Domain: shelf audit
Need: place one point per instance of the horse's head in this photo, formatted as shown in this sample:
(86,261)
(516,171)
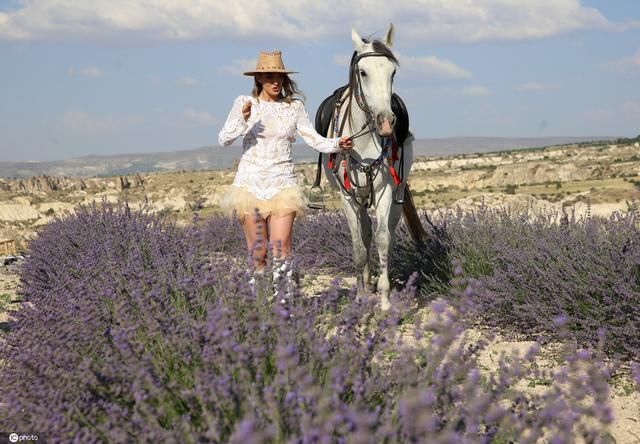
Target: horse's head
(373,67)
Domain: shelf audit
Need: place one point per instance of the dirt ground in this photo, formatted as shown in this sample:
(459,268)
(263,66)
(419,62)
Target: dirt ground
(624,400)
(9,289)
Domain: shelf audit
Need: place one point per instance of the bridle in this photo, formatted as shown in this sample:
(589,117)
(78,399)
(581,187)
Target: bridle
(360,97)
(361,100)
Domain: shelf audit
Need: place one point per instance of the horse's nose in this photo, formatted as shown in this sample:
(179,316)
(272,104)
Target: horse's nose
(382,116)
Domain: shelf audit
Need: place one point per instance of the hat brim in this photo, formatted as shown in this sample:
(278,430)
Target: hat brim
(253,73)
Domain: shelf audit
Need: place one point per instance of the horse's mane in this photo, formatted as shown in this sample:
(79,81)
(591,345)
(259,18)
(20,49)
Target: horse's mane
(378,46)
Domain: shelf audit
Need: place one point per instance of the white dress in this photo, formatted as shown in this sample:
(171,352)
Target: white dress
(265,178)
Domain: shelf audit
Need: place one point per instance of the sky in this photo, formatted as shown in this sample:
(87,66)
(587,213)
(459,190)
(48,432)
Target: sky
(84,77)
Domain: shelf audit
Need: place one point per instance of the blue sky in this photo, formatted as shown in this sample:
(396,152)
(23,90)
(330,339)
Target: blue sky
(94,77)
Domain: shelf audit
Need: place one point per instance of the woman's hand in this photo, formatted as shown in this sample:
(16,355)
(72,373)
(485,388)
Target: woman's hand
(246,110)
(345,143)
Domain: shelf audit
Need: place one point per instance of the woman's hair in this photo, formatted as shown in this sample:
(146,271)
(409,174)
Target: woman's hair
(288,92)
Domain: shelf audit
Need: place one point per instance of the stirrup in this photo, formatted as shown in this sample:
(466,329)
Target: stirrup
(315,200)
(399,197)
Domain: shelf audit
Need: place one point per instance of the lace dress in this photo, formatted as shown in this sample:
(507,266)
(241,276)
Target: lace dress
(265,178)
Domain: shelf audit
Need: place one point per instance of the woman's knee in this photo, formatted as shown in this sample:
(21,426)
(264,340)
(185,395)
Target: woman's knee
(281,246)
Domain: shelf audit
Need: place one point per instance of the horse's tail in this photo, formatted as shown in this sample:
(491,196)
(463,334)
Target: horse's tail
(414,225)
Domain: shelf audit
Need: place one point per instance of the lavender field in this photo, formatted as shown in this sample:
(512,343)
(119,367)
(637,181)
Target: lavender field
(135,329)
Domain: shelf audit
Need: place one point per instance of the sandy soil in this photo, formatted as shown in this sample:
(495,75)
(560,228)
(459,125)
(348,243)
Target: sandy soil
(624,401)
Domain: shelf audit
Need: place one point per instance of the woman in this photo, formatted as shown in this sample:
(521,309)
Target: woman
(269,120)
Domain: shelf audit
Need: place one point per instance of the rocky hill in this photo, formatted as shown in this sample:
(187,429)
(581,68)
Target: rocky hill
(216,157)
(596,179)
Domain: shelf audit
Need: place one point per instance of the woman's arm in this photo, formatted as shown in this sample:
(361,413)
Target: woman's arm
(311,136)
(235,125)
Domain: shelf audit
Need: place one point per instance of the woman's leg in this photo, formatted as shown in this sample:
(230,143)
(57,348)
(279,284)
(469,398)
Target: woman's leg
(255,233)
(280,227)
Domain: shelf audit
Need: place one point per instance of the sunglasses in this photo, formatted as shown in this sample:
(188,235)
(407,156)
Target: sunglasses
(272,77)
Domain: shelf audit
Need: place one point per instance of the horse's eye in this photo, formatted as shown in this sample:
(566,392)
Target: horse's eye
(363,74)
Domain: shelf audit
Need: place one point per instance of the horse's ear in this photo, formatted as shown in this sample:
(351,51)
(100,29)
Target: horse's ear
(357,40)
(388,40)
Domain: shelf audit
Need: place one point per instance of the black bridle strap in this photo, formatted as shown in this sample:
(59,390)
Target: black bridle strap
(362,131)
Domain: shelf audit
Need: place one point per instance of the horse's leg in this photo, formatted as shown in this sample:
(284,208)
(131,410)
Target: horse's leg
(366,235)
(388,215)
(360,227)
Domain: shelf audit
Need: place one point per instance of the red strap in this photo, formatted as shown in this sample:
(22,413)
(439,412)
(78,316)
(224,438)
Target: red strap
(347,185)
(332,157)
(394,174)
(393,158)
(394,149)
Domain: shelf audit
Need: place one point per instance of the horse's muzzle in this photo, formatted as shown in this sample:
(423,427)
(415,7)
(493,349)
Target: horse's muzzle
(385,123)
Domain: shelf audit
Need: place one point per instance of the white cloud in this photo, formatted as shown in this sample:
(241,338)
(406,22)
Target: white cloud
(201,118)
(627,65)
(431,66)
(416,20)
(80,121)
(90,71)
(476,91)
(238,66)
(422,66)
(532,87)
(189,82)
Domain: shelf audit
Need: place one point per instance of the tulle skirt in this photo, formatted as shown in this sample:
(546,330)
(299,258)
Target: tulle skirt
(240,201)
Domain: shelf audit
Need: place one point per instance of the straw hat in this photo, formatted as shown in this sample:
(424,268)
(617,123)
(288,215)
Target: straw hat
(269,62)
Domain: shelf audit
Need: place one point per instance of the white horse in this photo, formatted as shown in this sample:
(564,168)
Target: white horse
(366,113)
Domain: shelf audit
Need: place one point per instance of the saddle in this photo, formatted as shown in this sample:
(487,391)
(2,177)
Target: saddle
(327,107)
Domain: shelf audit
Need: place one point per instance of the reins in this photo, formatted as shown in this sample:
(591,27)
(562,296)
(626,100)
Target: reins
(362,131)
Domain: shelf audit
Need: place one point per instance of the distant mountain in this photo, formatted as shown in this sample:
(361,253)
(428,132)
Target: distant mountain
(215,157)
(463,145)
